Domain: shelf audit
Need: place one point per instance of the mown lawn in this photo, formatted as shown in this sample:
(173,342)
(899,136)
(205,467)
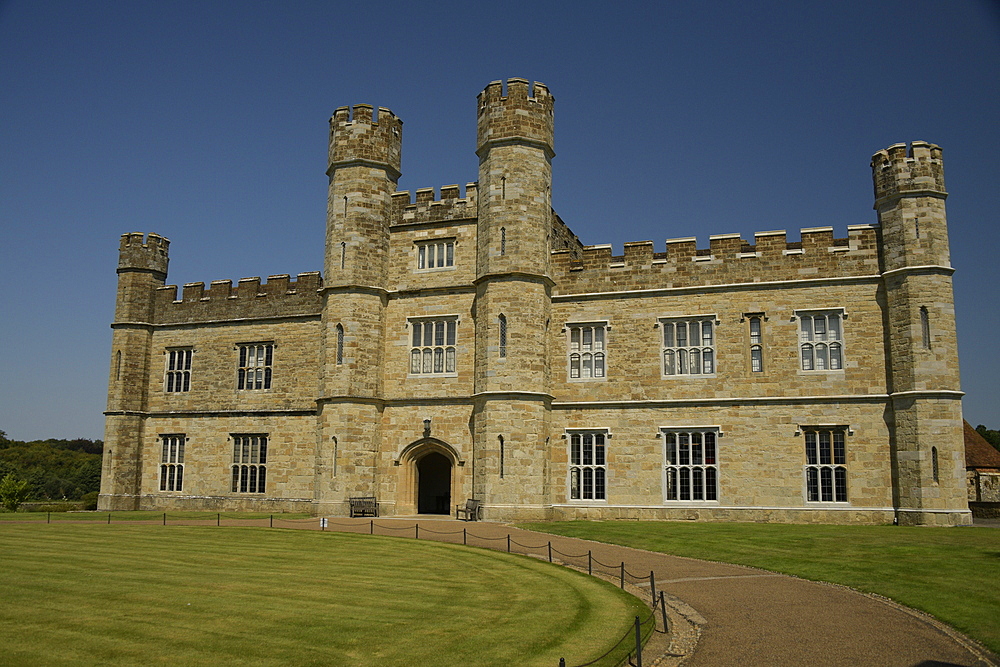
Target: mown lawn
(951,573)
(148,516)
(201,595)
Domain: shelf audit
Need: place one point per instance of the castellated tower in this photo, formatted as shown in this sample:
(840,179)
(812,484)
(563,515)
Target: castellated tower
(142,267)
(364,160)
(928,450)
(513,296)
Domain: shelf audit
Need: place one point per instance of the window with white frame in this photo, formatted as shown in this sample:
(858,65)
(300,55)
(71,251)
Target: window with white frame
(432,348)
(178,373)
(172,462)
(438,254)
(821,341)
(826,464)
(689,345)
(691,470)
(249,463)
(254,371)
(587,465)
(587,350)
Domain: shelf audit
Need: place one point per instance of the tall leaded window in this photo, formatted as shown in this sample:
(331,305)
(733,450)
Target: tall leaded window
(254,371)
(172,463)
(340,344)
(502,343)
(249,463)
(756,346)
(826,464)
(587,465)
(821,341)
(587,350)
(689,346)
(432,348)
(436,254)
(691,471)
(178,374)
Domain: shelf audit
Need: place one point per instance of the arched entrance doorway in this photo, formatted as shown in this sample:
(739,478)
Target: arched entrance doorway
(434,484)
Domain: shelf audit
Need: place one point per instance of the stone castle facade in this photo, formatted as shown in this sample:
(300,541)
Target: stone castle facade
(469,346)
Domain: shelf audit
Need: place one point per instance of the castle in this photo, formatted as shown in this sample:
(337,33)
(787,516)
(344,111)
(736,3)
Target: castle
(467,345)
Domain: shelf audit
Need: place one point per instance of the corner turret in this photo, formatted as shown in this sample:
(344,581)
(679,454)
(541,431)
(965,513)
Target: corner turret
(359,138)
(149,256)
(926,424)
(522,116)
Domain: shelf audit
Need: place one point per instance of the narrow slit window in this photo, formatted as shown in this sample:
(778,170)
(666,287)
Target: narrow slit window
(503,336)
(925,327)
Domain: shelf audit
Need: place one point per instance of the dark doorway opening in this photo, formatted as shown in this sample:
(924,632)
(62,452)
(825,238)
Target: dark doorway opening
(434,484)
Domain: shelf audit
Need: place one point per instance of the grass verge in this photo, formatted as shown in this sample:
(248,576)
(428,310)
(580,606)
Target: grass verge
(950,573)
(193,595)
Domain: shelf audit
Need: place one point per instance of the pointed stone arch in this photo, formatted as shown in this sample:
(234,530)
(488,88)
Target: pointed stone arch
(430,477)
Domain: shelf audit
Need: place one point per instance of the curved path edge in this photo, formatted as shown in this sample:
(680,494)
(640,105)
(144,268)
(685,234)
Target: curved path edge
(724,614)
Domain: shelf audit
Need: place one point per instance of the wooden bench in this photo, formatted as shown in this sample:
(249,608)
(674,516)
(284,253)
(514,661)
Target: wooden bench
(363,506)
(473,510)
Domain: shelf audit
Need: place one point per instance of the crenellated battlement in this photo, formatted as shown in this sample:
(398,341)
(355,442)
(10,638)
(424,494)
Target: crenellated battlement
(899,170)
(728,259)
(138,254)
(425,208)
(250,298)
(523,114)
(357,136)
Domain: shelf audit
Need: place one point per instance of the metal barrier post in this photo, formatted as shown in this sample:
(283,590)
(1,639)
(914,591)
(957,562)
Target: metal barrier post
(623,575)
(663,612)
(562,662)
(48,518)
(550,551)
(638,643)
(416,531)
(371,527)
(508,542)
(271,524)
(590,563)
(109,518)
(218,519)
(652,586)
(464,538)
(164,518)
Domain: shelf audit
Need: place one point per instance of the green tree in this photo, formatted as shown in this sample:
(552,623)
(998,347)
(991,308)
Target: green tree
(13,492)
(989,435)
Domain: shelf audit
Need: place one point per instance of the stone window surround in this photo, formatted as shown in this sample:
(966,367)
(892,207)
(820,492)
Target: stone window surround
(662,322)
(177,372)
(598,466)
(448,348)
(709,487)
(837,343)
(262,369)
(249,465)
(443,251)
(824,476)
(598,351)
(172,461)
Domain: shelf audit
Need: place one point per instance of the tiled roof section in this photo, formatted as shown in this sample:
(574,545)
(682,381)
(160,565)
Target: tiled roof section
(978,452)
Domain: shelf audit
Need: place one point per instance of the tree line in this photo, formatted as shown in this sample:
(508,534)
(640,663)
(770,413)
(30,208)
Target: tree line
(990,435)
(52,469)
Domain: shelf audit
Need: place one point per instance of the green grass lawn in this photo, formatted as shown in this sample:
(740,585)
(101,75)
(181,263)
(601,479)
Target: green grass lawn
(951,573)
(200,595)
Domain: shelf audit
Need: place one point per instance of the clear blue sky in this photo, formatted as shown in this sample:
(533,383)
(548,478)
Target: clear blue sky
(206,122)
